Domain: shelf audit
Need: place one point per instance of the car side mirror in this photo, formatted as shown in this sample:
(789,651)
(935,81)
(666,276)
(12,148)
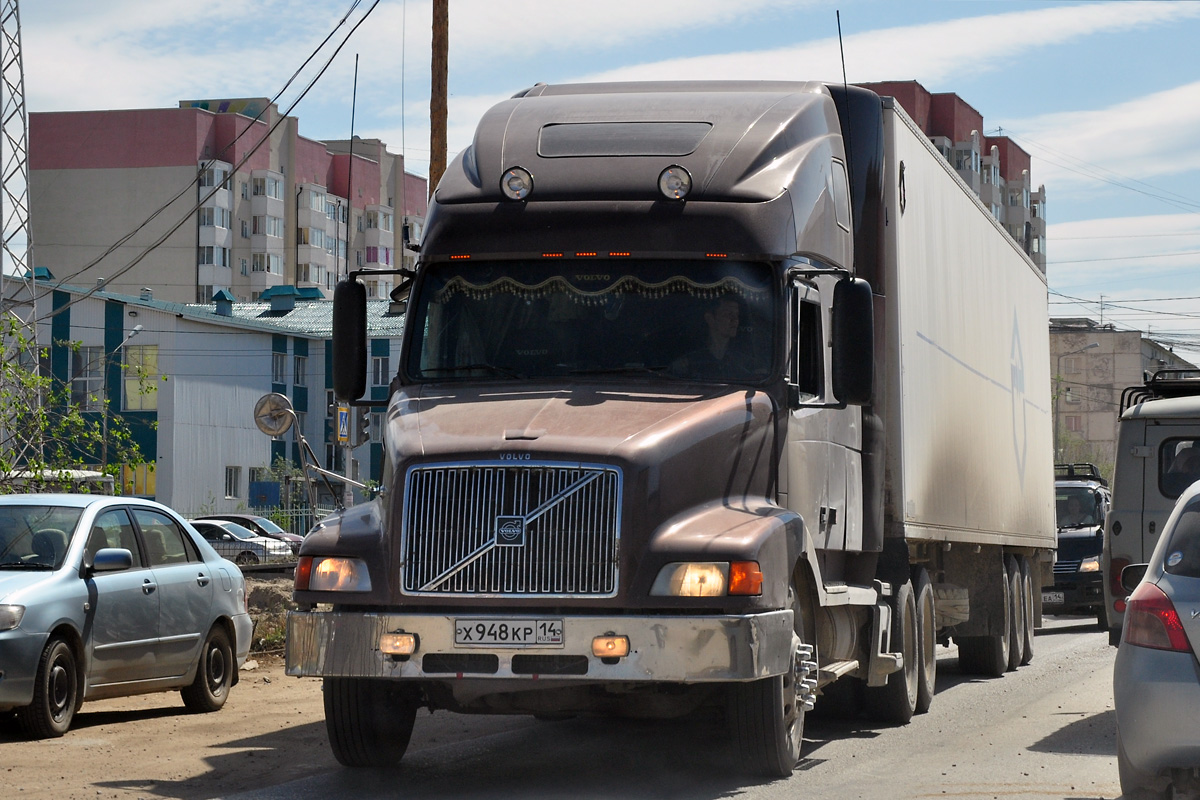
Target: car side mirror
(1132,575)
(111,559)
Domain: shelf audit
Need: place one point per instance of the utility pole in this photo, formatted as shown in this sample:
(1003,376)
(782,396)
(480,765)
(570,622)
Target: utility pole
(438,92)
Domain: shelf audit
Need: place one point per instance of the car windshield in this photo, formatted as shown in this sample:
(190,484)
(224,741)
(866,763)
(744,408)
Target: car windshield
(238,531)
(36,536)
(267,525)
(706,320)
(1075,506)
(1183,550)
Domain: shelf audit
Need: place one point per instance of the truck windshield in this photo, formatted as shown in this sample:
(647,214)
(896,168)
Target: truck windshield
(704,320)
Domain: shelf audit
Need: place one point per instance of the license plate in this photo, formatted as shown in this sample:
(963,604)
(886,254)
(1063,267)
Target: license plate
(1053,598)
(508,632)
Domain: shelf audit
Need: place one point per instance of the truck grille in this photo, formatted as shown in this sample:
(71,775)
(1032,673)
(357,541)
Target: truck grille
(534,529)
(1066,567)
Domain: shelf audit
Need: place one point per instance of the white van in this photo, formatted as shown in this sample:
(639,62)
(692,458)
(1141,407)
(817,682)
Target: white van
(1158,456)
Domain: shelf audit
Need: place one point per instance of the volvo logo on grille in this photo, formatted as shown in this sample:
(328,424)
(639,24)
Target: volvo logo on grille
(510,531)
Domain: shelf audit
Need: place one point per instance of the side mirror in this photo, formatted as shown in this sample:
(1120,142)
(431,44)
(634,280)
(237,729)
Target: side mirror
(853,342)
(1132,575)
(111,559)
(349,340)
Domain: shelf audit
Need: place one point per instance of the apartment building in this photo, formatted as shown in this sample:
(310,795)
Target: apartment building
(215,195)
(1092,364)
(995,167)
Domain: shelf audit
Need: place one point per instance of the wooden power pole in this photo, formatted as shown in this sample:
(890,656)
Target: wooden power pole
(437,97)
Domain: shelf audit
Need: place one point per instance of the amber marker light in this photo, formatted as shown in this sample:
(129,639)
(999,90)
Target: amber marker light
(745,578)
(398,644)
(619,254)
(609,646)
(584,255)
(460,257)
(303,573)
(716,255)
(552,255)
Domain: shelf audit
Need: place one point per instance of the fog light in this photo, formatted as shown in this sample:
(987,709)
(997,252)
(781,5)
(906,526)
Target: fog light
(610,646)
(398,644)
(516,183)
(675,183)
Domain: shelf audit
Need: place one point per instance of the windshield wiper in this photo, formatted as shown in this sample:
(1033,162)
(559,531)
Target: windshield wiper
(25,565)
(492,368)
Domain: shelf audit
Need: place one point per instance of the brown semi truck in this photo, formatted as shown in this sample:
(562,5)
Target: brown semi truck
(721,393)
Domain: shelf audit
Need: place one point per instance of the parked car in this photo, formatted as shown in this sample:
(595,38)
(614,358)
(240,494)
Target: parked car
(1082,500)
(111,596)
(242,545)
(1156,686)
(260,525)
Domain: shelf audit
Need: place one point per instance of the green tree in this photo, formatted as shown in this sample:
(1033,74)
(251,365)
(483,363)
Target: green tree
(46,438)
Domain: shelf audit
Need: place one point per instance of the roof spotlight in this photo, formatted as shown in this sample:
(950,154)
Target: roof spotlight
(675,182)
(516,183)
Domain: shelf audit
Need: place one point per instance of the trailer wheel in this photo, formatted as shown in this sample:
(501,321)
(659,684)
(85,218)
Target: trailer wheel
(896,700)
(767,715)
(1016,614)
(926,639)
(369,722)
(1027,587)
(988,654)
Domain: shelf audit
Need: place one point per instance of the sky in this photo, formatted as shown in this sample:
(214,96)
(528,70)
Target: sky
(1105,96)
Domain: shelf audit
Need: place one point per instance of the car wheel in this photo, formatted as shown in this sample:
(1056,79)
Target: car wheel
(55,693)
(1136,784)
(246,559)
(369,722)
(214,674)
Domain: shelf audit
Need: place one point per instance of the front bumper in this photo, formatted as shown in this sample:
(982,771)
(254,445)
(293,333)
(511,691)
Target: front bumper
(1082,592)
(692,649)
(19,655)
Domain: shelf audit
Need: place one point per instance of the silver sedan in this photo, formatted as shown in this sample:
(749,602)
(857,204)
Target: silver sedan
(111,596)
(1156,680)
(242,545)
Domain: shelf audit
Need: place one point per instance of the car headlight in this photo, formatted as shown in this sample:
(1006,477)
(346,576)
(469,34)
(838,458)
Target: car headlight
(1090,564)
(332,574)
(10,617)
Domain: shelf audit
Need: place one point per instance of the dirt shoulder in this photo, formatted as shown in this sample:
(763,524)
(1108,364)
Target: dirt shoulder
(271,730)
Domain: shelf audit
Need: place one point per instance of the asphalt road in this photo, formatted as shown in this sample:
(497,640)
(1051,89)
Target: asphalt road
(1045,731)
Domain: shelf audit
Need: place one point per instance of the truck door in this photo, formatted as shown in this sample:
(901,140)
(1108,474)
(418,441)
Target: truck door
(1172,464)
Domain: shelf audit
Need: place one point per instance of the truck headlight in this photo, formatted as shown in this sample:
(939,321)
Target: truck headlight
(692,579)
(1090,564)
(10,617)
(332,574)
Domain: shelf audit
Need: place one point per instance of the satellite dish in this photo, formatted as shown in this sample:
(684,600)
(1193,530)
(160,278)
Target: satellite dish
(273,414)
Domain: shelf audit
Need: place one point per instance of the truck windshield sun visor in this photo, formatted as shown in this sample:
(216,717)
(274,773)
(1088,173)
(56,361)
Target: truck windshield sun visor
(694,320)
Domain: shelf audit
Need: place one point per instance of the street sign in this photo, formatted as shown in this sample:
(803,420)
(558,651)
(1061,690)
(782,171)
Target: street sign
(343,424)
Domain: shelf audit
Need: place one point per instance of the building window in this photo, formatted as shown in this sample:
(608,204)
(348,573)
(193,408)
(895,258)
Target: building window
(299,370)
(206,217)
(1073,423)
(278,367)
(138,480)
(141,377)
(316,200)
(372,220)
(372,255)
(87,385)
(245,229)
(266,262)
(213,176)
(259,474)
(268,187)
(233,483)
(204,294)
(244,267)
(376,433)
(245,191)
(1070,395)
(358,259)
(380,373)
(267,225)
(1072,365)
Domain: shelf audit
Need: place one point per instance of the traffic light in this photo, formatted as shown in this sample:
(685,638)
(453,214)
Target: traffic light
(363,428)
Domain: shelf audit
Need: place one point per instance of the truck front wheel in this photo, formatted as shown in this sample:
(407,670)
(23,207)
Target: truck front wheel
(369,722)
(768,715)
(896,700)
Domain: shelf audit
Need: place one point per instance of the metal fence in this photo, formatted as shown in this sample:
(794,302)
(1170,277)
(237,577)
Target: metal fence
(297,519)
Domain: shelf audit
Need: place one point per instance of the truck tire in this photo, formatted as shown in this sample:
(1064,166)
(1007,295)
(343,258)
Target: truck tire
(926,639)
(896,700)
(988,654)
(767,715)
(1016,614)
(369,722)
(1030,623)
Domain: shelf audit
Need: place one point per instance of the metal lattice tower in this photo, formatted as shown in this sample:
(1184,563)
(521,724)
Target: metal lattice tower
(16,274)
